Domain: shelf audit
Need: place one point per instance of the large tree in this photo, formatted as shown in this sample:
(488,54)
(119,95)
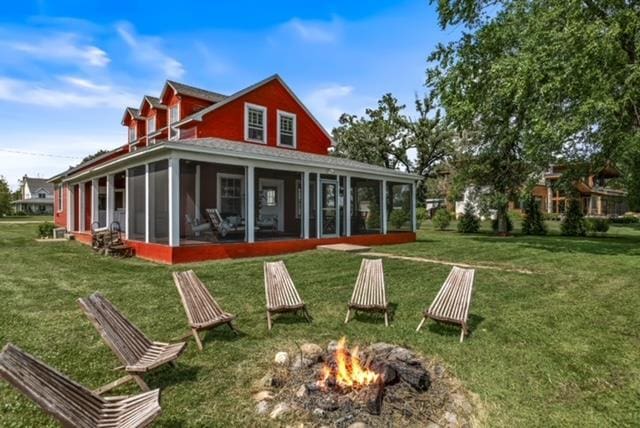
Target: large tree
(533,81)
(5,197)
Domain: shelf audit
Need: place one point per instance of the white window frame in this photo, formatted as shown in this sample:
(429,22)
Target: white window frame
(60,198)
(151,119)
(177,107)
(133,128)
(295,129)
(248,106)
(219,178)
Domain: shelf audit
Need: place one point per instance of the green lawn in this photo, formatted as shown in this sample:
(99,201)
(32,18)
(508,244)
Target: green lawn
(26,218)
(558,347)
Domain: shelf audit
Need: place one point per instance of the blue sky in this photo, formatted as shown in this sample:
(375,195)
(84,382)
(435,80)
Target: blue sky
(68,69)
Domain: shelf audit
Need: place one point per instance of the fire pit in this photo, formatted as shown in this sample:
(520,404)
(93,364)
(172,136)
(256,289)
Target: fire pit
(380,385)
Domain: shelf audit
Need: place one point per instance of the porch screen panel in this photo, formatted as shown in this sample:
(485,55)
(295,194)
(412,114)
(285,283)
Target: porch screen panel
(366,210)
(136,204)
(159,202)
(313,204)
(398,207)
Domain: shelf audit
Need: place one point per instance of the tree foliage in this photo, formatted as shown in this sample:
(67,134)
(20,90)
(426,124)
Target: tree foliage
(533,220)
(5,197)
(469,222)
(573,223)
(533,81)
(441,219)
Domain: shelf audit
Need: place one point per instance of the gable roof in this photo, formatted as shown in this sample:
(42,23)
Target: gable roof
(153,102)
(133,112)
(201,113)
(36,184)
(192,91)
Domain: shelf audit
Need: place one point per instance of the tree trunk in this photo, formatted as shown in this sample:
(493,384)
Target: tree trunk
(501,215)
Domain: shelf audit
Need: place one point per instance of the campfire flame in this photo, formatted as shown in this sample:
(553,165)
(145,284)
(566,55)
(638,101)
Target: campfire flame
(348,372)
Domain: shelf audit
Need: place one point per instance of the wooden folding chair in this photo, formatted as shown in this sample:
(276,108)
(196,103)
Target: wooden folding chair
(369,294)
(281,293)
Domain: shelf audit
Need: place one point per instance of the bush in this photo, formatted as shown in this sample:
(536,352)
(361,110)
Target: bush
(597,224)
(441,219)
(45,230)
(552,216)
(494,224)
(398,218)
(421,215)
(573,223)
(533,220)
(626,219)
(469,223)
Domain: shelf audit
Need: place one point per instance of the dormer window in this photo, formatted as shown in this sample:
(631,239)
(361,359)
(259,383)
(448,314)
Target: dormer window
(174,117)
(132,134)
(255,119)
(151,128)
(286,129)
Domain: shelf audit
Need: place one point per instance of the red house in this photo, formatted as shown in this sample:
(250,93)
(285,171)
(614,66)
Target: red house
(206,175)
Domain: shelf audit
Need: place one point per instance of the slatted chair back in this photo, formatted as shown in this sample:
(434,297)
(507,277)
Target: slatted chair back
(369,291)
(69,402)
(280,291)
(199,304)
(124,338)
(215,217)
(454,298)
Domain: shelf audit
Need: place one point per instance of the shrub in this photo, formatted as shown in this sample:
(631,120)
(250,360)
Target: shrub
(421,215)
(441,219)
(398,218)
(494,224)
(532,220)
(597,224)
(469,223)
(552,216)
(626,219)
(573,223)
(45,229)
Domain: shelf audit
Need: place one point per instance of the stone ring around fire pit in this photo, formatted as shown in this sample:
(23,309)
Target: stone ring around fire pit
(381,385)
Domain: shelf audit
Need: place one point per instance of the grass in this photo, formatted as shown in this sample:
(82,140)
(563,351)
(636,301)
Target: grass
(558,347)
(16,218)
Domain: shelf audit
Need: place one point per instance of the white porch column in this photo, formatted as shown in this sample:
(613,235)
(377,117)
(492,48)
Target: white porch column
(174,202)
(70,207)
(110,200)
(414,225)
(347,206)
(338,205)
(197,198)
(251,200)
(383,202)
(127,186)
(147,217)
(549,200)
(318,207)
(305,205)
(95,189)
(81,204)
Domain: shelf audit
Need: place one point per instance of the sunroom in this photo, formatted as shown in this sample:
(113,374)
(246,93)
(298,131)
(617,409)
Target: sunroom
(189,200)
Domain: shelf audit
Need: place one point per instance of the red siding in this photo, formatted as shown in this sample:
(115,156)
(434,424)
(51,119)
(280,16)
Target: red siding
(228,121)
(60,215)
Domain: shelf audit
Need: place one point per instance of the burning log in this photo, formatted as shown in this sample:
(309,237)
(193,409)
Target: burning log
(372,397)
(415,376)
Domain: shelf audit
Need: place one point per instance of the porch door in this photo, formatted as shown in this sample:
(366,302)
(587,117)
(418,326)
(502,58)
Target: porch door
(329,208)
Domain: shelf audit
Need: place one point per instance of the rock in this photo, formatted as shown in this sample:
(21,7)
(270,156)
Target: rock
(301,363)
(312,352)
(301,392)
(358,425)
(262,408)
(461,403)
(451,418)
(332,346)
(263,395)
(432,425)
(279,409)
(265,382)
(381,348)
(282,358)
(439,370)
(318,412)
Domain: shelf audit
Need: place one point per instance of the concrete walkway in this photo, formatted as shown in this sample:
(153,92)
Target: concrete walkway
(442,262)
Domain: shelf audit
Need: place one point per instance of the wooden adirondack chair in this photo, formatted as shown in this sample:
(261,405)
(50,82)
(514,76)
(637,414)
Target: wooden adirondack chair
(369,294)
(452,302)
(70,403)
(137,353)
(280,292)
(203,312)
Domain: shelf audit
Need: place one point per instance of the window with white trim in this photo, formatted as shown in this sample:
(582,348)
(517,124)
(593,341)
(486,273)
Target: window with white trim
(286,129)
(174,116)
(60,197)
(132,134)
(151,128)
(255,123)
(231,194)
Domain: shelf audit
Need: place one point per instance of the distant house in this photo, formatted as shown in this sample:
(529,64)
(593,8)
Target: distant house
(36,196)
(205,175)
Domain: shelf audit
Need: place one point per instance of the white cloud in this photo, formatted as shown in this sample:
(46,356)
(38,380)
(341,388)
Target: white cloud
(59,47)
(147,50)
(85,84)
(57,96)
(314,31)
(328,103)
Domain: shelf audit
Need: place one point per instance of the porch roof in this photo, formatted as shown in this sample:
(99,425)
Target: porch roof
(251,151)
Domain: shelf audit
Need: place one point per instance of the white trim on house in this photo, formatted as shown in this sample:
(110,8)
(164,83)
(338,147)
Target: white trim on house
(151,120)
(60,197)
(263,110)
(133,130)
(172,125)
(278,183)
(286,114)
